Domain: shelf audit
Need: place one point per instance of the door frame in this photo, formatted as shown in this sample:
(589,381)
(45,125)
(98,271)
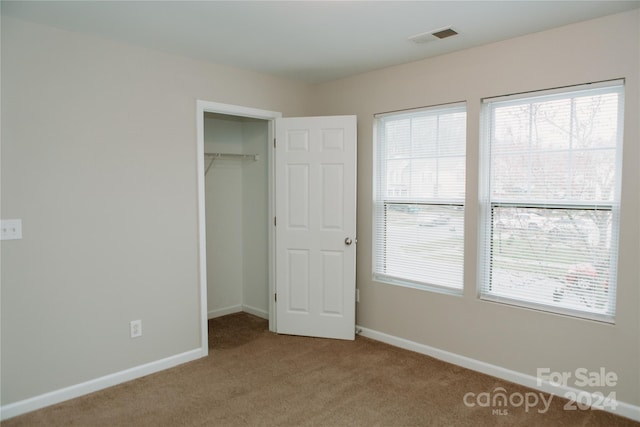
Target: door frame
(203,107)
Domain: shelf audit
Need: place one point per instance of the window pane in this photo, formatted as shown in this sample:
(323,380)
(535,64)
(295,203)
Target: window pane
(399,132)
(511,128)
(424,178)
(556,149)
(451,176)
(596,121)
(452,134)
(424,243)
(424,133)
(510,178)
(549,175)
(424,155)
(593,174)
(551,125)
(398,178)
(552,256)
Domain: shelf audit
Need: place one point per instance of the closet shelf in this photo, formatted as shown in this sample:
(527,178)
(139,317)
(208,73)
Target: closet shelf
(228,156)
(255,157)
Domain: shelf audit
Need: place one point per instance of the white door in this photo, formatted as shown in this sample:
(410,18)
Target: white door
(315,162)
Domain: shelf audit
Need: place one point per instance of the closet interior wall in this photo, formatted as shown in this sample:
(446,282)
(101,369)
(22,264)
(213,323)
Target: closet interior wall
(236,205)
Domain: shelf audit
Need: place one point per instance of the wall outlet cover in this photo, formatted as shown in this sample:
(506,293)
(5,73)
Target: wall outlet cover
(11,229)
(135,328)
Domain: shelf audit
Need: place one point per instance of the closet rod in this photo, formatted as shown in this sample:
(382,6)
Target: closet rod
(214,156)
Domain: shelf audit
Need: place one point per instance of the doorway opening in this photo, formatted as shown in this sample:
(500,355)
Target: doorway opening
(235,207)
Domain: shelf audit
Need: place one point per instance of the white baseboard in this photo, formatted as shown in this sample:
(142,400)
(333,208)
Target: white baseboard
(219,312)
(256,311)
(77,390)
(623,409)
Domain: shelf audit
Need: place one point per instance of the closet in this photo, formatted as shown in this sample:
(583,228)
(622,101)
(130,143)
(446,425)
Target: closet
(236,207)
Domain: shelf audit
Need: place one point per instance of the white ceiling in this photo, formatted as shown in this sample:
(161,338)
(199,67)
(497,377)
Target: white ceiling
(312,41)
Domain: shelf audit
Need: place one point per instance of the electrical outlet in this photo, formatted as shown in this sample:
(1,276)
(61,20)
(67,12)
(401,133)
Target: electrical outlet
(135,327)
(11,229)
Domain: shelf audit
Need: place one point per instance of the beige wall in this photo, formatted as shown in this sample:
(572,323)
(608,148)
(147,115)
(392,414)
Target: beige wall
(514,338)
(255,219)
(99,161)
(223,208)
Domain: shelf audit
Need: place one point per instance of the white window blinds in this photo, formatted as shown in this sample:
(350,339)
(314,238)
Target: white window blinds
(551,200)
(419,202)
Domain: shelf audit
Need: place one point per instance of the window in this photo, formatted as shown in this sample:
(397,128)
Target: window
(550,203)
(419,202)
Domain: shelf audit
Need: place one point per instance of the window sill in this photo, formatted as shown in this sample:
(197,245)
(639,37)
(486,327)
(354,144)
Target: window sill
(379,278)
(561,311)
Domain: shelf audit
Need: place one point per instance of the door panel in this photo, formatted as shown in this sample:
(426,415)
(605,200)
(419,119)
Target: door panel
(332,271)
(315,161)
(332,194)
(298,280)
(298,197)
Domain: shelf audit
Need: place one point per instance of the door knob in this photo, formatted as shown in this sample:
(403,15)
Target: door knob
(348,241)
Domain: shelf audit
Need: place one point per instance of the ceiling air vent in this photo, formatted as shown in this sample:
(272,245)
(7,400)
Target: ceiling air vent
(443,34)
(433,35)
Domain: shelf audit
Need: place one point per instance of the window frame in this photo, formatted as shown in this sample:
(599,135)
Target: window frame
(383,203)
(488,205)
